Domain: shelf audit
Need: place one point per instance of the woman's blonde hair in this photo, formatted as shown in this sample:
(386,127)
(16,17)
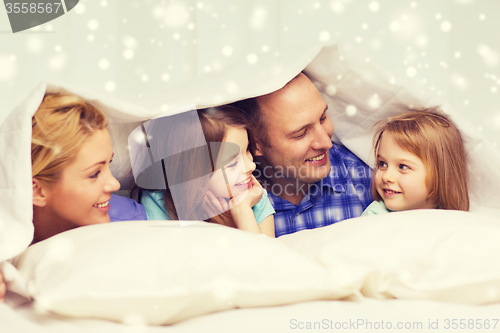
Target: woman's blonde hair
(433,138)
(60,126)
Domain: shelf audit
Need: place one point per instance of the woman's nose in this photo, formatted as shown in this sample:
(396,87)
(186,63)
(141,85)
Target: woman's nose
(112,184)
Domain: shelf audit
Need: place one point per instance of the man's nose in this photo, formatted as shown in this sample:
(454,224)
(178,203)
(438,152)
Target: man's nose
(322,140)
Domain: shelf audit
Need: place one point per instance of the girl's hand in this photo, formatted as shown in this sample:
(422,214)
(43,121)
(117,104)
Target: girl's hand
(218,209)
(248,198)
(3,288)
(214,205)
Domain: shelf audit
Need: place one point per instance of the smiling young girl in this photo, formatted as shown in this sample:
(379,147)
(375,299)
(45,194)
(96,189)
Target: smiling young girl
(421,164)
(208,171)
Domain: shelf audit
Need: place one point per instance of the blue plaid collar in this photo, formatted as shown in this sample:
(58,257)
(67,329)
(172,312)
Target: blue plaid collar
(334,181)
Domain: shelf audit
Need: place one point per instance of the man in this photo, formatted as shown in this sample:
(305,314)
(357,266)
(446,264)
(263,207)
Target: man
(311,182)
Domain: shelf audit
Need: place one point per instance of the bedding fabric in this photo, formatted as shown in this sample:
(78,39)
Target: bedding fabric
(161,273)
(431,254)
(364,316)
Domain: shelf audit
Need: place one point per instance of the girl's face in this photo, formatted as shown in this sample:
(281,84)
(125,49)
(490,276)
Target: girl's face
(81,196)
(235,177)
(401,177)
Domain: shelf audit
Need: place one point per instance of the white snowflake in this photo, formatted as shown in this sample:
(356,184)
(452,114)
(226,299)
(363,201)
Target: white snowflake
(128,54)
(8,68)
(446,26)
(411,71)
(103,64)
(165,77)
(324,36)
(110,86)
(34,44)
(93,24)
(351,110)
(227,51)
(490,57)
(458,81)
(80,8)
(374,6)
(258,18)
(252,58)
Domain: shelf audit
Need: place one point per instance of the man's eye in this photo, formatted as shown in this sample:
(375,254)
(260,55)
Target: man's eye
(301,135)
(95,174)
(322,119)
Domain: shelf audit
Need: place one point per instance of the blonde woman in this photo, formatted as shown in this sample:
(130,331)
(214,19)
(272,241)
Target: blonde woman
(72,182)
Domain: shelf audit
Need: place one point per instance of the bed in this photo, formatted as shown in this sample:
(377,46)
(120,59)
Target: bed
(423,270)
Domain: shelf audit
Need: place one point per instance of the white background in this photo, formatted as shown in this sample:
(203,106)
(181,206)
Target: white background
(132,49)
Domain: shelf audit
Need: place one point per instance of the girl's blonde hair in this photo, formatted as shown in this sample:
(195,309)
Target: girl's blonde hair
(60,126)
(433,138)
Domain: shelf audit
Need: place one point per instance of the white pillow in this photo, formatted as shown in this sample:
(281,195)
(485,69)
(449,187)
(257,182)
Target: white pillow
(161,273)
(439,255)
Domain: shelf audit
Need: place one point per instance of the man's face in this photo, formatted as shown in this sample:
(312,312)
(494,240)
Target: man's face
(299,131)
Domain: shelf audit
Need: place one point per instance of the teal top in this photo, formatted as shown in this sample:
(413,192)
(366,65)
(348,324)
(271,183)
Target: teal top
(155,207)
(375,208)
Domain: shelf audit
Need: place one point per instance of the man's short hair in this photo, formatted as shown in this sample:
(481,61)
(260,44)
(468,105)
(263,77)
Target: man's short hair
(258,123)
(258,128)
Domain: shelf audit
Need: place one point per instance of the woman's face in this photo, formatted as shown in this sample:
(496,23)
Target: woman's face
(81,196)
(237,173)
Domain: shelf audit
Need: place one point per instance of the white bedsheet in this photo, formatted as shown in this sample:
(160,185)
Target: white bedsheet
(289,318)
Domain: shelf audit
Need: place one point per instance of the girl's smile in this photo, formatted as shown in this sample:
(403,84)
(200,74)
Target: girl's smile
(238,173)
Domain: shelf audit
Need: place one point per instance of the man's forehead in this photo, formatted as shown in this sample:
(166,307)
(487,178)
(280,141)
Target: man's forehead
(287,92)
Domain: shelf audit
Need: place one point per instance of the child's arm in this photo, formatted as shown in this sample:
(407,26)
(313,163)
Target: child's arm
(3,288)
(267,226)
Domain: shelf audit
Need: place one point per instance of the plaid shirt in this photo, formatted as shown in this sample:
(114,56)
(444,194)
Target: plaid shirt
(343,194)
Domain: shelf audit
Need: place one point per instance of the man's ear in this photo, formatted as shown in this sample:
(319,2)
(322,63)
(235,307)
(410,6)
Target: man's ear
(39,193)
(258,151)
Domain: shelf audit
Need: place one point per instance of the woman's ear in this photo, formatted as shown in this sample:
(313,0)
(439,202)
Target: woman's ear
(39,193)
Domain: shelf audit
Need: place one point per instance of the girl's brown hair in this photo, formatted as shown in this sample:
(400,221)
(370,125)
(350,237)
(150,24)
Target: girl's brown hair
(60,126)
(433,138)
(180,138)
